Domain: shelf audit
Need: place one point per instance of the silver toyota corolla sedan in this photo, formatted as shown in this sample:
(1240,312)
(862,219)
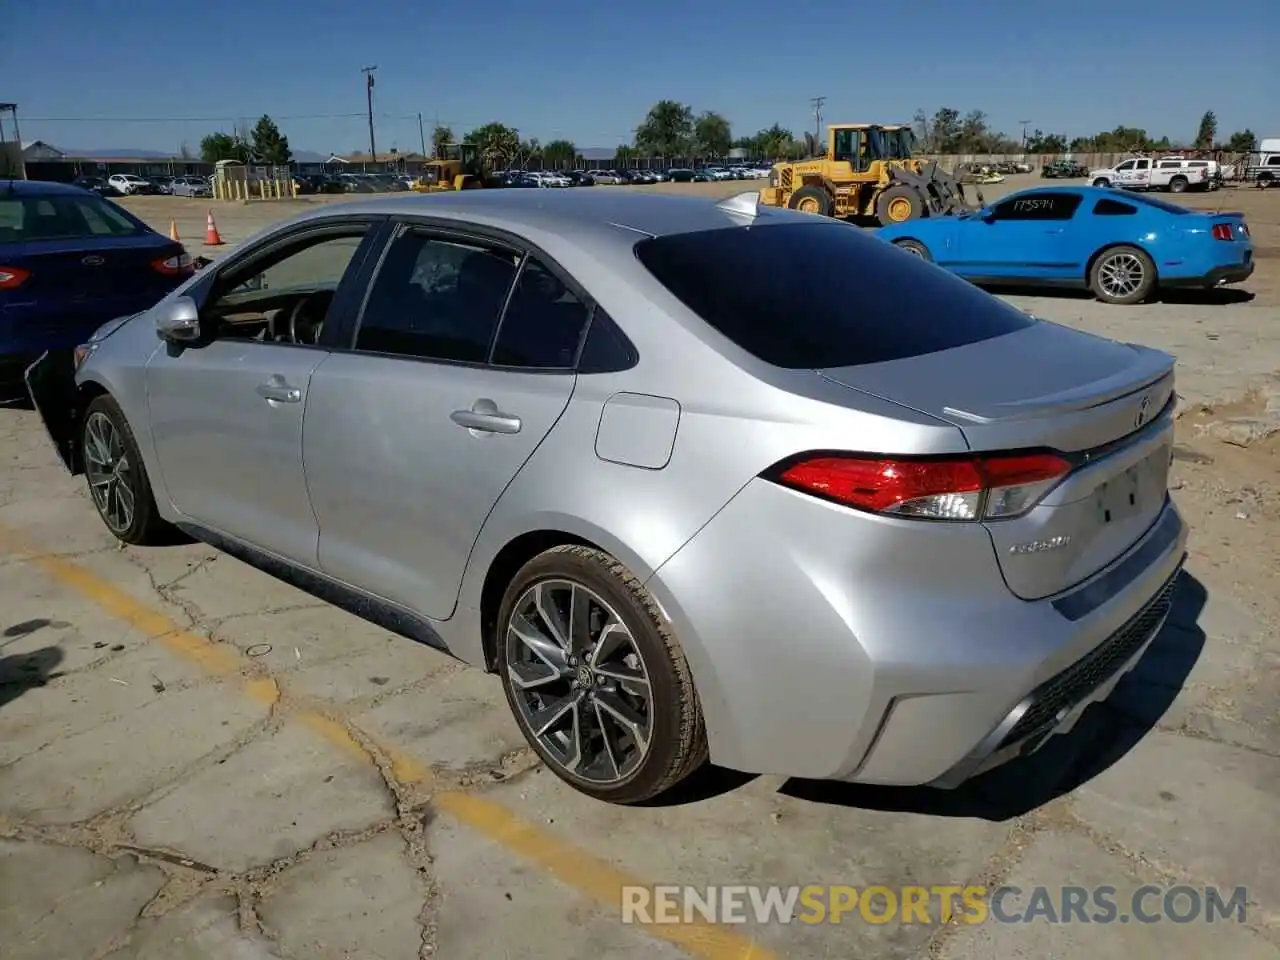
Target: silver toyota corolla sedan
(693,478)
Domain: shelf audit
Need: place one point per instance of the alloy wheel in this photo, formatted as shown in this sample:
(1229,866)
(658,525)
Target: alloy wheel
(579,681)
(1121,275)
(109,472)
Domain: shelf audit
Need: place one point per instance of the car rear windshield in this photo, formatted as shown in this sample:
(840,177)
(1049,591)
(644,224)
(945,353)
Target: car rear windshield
(823,294)
(61,217)
(1159,204)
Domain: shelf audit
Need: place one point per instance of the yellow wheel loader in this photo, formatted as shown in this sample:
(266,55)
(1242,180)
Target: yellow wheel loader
(463,171)
(868,171)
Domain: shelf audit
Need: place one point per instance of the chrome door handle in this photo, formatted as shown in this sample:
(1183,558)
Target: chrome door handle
(486,421)
(280,392)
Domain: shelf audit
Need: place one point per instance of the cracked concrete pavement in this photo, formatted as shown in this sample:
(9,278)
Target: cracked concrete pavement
(197,761)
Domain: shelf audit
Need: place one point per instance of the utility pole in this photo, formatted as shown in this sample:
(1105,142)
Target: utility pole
(422,137)
(368,86)
(817,116)
(1024,134)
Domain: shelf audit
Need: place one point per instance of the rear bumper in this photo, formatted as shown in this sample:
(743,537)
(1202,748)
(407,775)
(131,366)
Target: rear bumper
(1233,273)
(864,649)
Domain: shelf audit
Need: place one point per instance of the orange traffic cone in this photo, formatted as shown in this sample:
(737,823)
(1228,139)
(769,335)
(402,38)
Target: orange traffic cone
(173,231)
(211,235)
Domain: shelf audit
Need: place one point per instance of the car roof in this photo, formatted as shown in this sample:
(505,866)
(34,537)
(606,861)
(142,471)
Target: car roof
(600,213)
(38,188)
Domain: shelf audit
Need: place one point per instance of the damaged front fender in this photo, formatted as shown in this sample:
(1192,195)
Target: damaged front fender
(51,384)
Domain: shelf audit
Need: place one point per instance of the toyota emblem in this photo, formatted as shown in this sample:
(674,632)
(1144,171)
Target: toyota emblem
(93,260)
(1144,407)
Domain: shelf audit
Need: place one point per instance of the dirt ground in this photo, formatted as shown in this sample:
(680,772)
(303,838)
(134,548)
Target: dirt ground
(200,763)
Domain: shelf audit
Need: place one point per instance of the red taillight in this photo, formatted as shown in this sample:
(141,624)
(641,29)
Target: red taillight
(13,277)
(176,265)
(1223,231)
(955,488)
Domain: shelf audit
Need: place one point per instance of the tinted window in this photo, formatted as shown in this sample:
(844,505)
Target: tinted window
(1038,206)
(607,349)
(436,299)
(1170,165)
(62,217)
(1107,207)
(822,294)
(1273,161)
(543,323)
(1127,165)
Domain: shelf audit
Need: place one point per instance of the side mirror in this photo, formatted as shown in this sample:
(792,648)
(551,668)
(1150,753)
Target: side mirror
(178,321)
(987,215)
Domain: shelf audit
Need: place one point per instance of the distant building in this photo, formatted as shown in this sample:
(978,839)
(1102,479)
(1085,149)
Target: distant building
(36,150)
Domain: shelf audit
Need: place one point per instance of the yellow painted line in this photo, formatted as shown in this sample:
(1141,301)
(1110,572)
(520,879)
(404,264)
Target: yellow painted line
(593,877)
(598,879)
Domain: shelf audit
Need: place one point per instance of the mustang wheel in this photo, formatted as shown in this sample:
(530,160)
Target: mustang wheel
(1122,275)
(915,248)
(118,483)
(598,684)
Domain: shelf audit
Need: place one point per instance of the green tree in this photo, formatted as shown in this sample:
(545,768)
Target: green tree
(773,143)
(1242,141)
(223,146)
(1041,142)
(441,140)
(625,155)
(496,143)
(667,130)
(269,144)
(712,135)
(1208,132)
(945,131)
(560,153)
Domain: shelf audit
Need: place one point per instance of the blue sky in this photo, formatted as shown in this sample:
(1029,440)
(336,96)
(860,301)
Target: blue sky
(588,71)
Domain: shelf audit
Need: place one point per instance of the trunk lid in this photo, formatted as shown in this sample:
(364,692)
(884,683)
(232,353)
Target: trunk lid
(1108,405)
(82,269)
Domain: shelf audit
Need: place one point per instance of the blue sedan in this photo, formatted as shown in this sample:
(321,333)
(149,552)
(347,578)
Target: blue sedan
(69,262)
(1121,246)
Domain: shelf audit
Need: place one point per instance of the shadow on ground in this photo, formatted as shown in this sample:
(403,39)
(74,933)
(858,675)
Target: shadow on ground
(1104,734)
(21,672)
(1216,297)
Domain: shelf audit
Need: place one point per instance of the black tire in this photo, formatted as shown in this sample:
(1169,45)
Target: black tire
(677,743)
(915,248)
(145,527)
(815,196)
(1102,182)
(1178,185)
(1114,258)
(897,197)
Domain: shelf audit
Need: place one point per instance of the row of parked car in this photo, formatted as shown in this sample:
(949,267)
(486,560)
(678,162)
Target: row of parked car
(130,184)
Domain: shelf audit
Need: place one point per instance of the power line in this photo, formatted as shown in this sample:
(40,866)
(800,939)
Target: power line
(227,119)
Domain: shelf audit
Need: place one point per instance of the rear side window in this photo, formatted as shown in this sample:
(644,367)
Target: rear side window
(61,217)
(1106,207)
(543,322)
(436,299)
(822,294)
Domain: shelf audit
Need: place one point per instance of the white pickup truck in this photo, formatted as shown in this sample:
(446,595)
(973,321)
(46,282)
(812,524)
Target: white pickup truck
(1146,173)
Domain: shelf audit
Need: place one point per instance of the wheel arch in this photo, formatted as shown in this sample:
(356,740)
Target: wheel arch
(502,569)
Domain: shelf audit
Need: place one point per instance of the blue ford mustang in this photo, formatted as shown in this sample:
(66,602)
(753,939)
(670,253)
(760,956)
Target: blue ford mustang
(1121,246)
(69,262)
